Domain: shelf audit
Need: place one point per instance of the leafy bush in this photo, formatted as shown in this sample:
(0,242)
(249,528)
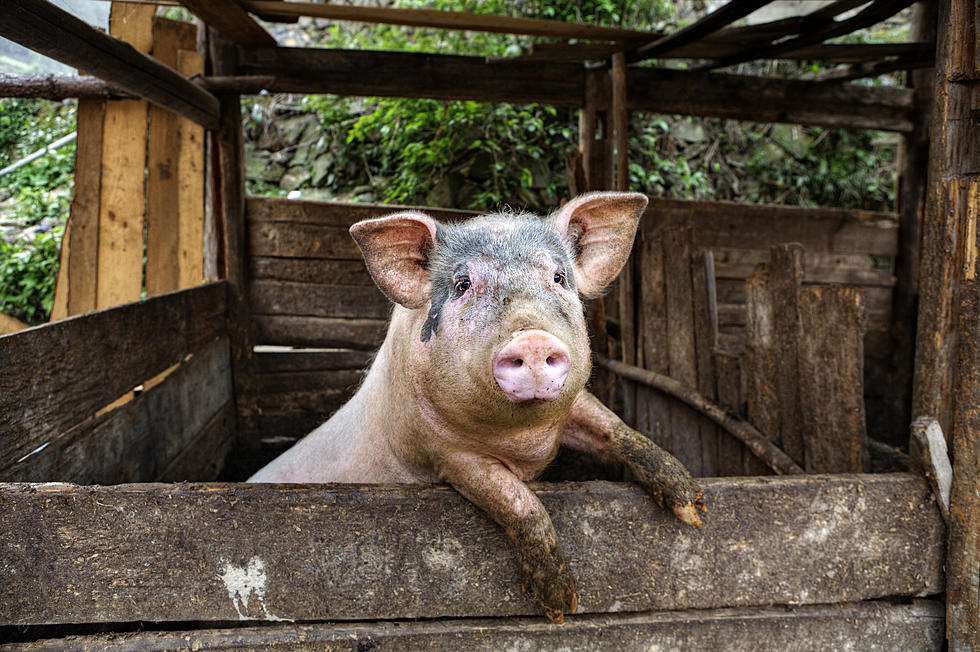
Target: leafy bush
(28,272)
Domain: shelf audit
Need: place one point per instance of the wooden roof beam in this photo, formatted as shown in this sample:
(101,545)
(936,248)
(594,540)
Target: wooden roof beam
(710,24)
(448,20)
(870,15)
(228,17)
(55,33)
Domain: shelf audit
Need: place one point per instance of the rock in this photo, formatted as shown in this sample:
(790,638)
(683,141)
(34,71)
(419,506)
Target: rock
(321,168)
(295,177)
(688,131)
(271,172)
(792,138)
(294,128)
(301,156)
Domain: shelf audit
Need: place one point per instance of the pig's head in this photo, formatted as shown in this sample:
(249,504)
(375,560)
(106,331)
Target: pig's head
(497,330)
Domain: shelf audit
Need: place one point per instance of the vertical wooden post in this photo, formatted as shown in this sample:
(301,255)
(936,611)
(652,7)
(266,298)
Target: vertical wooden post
(949,246)
(963,560)
(652,407)
(120,244)
(230,187)
(190,189)
(913,161)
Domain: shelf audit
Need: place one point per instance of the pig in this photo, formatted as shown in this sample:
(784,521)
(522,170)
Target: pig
(482,374)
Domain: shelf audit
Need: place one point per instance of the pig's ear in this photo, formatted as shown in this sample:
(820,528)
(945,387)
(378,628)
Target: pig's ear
(602,226)
(396,249)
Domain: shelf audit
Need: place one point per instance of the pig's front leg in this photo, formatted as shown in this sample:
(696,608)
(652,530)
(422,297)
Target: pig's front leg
(596,429)
(490,485)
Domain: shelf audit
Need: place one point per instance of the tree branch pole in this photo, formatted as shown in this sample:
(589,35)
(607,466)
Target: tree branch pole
(756,442)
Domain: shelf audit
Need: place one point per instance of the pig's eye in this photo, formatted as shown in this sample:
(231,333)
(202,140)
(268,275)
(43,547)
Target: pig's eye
(559,278)
(462,285)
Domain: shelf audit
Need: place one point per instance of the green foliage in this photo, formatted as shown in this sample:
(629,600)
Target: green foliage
(28,272)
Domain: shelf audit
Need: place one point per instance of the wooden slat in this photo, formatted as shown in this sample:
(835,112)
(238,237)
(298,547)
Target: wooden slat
(122,201)
(760,360)
(164,176)
(298,240)
(139,440)
(53,32)
(10,325)
(831,377)
(785,277)
(227,17)
(190,187)
(336,552)
(287,330)
(710,23)
(759,226)
(449,20)
(310,270)
(331,213)
(84,217)
(93,359)
(875,627)
(705,327)
(314,300)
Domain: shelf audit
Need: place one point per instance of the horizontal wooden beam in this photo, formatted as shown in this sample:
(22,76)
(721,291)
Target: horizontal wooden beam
(58,375)
(128,553)
(396,74)
(55,33)
(234,23)
(449,20)
(861,626)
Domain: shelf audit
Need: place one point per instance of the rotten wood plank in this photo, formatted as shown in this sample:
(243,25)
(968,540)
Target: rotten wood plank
(785,277)
(831,372)
(91,360)
(730,389)
(871,626)
(819,540)
(53,32)
(139,440)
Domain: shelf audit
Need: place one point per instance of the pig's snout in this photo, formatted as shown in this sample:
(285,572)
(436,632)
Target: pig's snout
(532,365)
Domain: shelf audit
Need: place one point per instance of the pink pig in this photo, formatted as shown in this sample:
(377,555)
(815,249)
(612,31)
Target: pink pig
(482,374)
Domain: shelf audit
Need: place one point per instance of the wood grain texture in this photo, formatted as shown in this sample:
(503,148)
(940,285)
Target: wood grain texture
(228,17)
(320,332)
(135,552)
(759,226)
(330,213)
(190,186)
(785,277)
(138,440)
(53,32)
(875,627)
(831,377)
(93,359)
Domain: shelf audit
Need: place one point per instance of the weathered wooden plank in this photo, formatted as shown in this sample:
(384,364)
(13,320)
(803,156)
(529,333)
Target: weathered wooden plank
(163,173)
(298,240)
(331,213)
(269,360)
(10,325)
(705,327)
(138,440)
(322,332)
(458,20)
(309,270)
(867,626)
(93,359)
(785,277)
(759,226)
(738,97)
(83,243)
(681,345)
(232,21)
(963,601)
(315,300)
(123,160)
(134,552)
(831,372)
(652,409)
(730,391)
(53,32)
(760,361)
(190,188)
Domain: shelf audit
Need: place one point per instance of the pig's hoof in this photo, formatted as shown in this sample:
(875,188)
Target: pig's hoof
(688,512)
(549,581)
